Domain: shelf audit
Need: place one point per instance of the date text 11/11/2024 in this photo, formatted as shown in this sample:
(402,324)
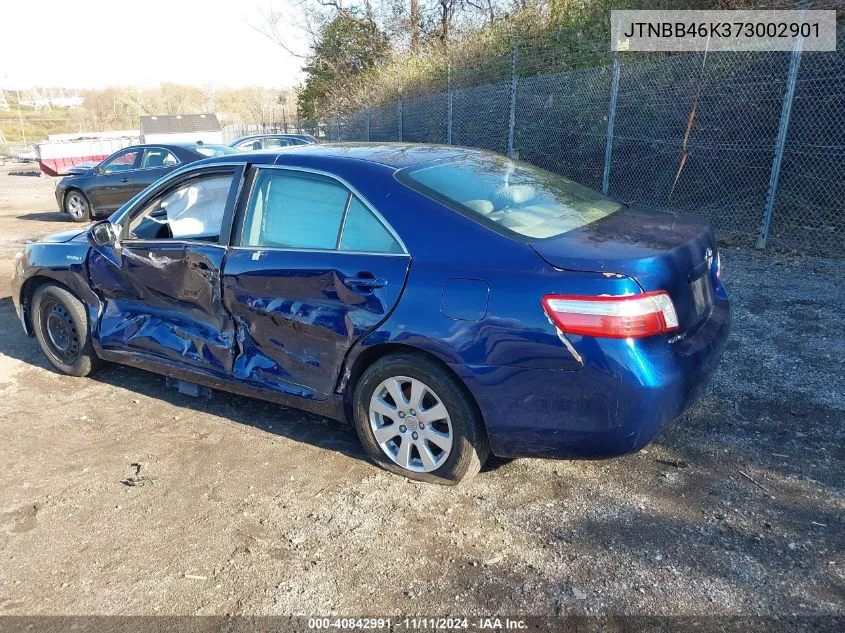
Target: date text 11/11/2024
(418,624)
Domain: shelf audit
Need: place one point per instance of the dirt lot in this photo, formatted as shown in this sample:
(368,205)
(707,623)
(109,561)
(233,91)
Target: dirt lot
(248,507)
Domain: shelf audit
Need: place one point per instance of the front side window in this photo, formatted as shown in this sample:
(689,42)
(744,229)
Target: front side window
(157,157)
(123,161)
(192,211)
(290,209)
(510,196)
(249,146)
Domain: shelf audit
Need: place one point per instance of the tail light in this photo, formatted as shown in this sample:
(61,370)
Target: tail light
(633,316)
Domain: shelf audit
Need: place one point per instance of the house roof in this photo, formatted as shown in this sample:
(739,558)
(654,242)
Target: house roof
(179,123)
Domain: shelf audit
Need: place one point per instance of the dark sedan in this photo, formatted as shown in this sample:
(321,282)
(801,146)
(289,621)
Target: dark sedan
(258,142)
(98,191)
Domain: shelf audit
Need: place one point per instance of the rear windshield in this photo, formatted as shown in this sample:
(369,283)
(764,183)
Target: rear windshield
(510,195)
(211,151)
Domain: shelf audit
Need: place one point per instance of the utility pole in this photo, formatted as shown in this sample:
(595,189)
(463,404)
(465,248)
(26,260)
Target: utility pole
(20,116)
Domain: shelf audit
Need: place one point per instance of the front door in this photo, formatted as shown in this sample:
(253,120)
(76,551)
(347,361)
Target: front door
(112,186)
(313,270)
(161,285)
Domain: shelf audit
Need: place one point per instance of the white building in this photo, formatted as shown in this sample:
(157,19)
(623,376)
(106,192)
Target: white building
(181,128)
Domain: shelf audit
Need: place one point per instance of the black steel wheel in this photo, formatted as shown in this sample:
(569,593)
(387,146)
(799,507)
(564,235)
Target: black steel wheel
(61,328)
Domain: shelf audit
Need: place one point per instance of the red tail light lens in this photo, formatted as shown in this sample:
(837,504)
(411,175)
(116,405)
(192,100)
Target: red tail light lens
(632,316)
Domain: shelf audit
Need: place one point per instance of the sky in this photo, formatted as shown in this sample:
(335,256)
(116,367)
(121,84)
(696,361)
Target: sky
(97,43)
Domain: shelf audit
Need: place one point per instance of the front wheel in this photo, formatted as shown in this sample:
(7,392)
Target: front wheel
(415,420)
(61,328)
(77,206)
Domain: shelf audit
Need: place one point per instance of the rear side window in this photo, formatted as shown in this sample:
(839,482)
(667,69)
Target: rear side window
(157,157)
(363,231)
(510,196)
(290,209)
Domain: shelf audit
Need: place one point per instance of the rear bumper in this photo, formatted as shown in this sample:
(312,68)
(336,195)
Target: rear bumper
(627,392)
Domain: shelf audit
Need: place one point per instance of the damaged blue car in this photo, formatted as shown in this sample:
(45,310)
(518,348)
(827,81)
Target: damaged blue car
(450,303)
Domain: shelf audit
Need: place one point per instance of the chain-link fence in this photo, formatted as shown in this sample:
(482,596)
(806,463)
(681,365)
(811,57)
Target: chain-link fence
(753,142)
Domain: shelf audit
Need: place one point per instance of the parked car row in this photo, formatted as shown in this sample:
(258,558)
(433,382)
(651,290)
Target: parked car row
(97,190)
(450,303)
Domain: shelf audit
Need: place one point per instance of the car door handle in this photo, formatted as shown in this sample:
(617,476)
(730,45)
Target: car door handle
(363,281)
(126,179)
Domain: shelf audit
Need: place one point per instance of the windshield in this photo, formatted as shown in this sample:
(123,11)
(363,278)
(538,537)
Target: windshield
(510,195)
(210,151)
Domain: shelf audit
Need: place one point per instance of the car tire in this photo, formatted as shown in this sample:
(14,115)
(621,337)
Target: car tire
(430,455)
(60,322)
(77,206)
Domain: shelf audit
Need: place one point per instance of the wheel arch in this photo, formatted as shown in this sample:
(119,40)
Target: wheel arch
(33,283)
(84,194)
(76,188)
(372,353)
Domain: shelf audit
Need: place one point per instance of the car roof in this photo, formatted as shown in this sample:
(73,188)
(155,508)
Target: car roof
(301,137)
(176,145)
(393,155)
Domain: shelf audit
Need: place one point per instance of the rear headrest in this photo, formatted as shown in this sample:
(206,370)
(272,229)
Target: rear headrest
(484,207)
(519,194)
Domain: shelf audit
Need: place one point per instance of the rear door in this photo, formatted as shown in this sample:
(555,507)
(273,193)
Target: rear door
(313,269)
(112,185)
(155,163)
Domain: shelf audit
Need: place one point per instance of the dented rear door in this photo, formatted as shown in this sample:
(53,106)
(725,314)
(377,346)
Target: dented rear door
(314,269)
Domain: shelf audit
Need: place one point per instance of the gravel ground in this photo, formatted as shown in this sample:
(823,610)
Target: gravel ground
(244,507)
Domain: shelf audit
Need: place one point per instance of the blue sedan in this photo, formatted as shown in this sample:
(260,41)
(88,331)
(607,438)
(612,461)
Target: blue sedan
(450,303)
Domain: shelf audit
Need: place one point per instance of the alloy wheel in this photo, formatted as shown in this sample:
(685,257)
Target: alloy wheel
(411,424)
(76,205)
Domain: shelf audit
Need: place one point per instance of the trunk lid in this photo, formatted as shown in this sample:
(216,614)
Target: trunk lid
(659,250)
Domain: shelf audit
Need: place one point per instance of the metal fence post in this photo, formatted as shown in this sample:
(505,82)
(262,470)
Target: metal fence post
(611,122)
(367,124)
(512,120)
(399,114)
(780,143)
(448,104)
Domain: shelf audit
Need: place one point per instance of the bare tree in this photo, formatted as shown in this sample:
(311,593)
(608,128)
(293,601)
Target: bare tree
(415,26)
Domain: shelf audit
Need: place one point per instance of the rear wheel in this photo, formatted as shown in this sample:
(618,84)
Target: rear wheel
(77,206)
(61,328)
(414,419)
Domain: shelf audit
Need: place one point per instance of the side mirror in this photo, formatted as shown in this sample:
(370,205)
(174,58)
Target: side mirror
(102,233)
